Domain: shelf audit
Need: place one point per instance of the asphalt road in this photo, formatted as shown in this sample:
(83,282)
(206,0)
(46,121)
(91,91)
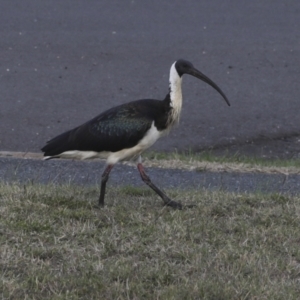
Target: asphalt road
(89,173)
(63,62)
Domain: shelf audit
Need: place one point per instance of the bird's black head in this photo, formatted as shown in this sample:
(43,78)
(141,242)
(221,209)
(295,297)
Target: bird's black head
(185,67)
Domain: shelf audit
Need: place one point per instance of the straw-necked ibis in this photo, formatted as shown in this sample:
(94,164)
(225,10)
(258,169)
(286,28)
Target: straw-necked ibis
(125,131)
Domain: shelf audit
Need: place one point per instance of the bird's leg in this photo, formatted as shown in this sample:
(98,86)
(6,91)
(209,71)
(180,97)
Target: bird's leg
(104,179)
(164,197)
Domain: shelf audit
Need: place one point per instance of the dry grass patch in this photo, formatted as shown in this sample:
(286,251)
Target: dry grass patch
(205,161)
(54,244)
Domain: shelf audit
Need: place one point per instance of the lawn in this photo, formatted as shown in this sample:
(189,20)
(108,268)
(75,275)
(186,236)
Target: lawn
(55,244)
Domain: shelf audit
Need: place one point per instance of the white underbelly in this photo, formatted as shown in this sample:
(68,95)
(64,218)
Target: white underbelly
(147,141)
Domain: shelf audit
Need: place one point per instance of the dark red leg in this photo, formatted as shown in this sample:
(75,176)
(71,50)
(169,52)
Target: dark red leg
(104,179)
(164,197)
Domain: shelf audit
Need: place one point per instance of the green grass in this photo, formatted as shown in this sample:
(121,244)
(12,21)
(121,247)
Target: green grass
(208,156)
(54,244)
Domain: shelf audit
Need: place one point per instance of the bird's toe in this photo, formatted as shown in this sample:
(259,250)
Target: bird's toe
(174,204)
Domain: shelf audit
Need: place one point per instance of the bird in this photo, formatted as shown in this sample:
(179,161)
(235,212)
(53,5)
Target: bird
(125,131)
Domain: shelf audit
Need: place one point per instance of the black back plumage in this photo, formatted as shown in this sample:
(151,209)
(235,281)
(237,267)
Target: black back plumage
(118,128)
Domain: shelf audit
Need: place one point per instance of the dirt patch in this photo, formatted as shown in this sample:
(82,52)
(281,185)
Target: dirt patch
(25,155)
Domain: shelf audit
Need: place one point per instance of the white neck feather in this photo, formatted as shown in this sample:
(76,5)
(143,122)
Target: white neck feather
(175,95)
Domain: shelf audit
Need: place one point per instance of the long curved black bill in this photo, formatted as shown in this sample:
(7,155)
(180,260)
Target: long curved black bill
(194,72)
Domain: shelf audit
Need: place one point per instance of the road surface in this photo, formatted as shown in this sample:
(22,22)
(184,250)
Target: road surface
(63,62)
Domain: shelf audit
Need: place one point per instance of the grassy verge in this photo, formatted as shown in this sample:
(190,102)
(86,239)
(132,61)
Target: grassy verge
(237,158)
(54,244)
(236,163)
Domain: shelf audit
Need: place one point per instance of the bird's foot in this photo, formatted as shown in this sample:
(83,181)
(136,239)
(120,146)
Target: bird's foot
(97,206)
(174,204)
(178,205)
(189,205)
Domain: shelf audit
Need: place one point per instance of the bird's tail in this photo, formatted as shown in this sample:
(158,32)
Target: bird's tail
(58,145)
